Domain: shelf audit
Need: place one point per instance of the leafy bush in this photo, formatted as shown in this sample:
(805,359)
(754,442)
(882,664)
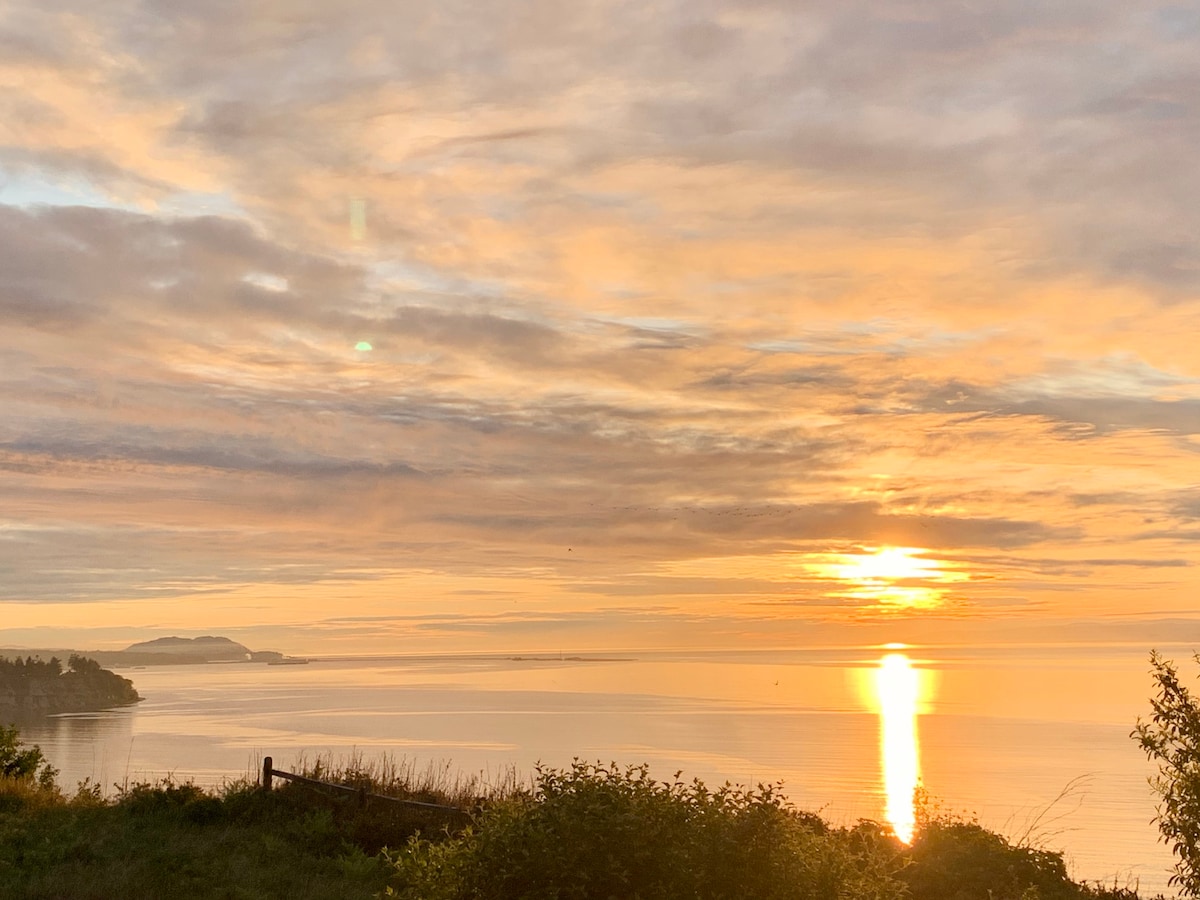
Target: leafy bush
(951,860)
(23,763)
(186,800)
(1172,738)
(596,832)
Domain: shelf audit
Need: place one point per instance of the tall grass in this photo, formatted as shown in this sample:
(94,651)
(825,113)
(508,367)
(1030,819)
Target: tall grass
(407,779)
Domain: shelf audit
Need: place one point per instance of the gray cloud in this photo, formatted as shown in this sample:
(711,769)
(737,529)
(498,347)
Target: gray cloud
(184,450)
(1078,416)
(150,563)
(1023,109)
(660,283)
(1187,506)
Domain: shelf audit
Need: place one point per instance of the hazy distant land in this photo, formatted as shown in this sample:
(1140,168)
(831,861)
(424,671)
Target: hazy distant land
(164,651)
(170,651)
(36,682)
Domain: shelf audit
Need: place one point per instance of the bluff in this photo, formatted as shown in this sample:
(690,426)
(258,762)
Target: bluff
(200,649)
(36,687)
(180,651)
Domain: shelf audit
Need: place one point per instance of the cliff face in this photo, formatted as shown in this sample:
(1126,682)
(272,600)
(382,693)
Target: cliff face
(89,687)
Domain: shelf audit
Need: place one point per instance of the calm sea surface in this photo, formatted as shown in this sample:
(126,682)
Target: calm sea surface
(999,733)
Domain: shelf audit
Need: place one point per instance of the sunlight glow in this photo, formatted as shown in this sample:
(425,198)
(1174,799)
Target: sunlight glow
(904,577)
(890,564)
(898,692)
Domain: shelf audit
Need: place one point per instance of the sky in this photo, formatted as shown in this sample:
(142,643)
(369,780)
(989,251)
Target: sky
(397,326)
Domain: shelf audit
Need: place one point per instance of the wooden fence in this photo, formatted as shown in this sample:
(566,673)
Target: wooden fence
(269,773)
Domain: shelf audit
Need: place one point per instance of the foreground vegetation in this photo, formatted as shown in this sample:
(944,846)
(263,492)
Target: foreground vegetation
(1171,738)
(592,831)
(596,832)
(165,840)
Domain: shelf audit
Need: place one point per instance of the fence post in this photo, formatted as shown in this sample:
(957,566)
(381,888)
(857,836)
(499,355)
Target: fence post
(266,776)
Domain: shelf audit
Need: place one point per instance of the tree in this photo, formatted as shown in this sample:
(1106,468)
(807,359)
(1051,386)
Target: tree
(20,762)
(82,665)
(1172,738)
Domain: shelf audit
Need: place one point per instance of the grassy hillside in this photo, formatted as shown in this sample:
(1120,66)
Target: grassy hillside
(588,833)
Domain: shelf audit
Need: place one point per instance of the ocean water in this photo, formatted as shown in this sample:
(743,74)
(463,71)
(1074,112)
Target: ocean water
(1032,741)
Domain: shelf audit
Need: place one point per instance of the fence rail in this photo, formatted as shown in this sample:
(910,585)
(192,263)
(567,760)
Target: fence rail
(269,774)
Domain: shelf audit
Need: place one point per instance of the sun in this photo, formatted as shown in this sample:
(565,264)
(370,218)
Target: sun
(888,564)
(898,577)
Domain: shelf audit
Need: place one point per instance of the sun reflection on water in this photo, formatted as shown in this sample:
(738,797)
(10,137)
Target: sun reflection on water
(899,694)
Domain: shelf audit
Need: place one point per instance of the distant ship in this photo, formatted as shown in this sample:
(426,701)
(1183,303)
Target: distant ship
(288,661)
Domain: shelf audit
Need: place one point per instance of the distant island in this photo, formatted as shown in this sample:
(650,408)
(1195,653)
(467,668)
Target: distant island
(171,651)
(561,658)
(38,687)
(206,649)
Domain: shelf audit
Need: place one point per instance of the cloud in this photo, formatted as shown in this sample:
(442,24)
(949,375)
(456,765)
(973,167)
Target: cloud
(693,291)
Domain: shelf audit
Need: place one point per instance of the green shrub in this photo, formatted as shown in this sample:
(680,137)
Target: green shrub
(19,762)
(596,832)
(952,860)
(1172,739)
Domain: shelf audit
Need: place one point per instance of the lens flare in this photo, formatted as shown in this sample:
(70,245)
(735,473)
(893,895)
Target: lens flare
(898,692)
(358,218)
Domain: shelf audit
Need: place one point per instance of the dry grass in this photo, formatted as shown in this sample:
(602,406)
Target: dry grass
(407,779)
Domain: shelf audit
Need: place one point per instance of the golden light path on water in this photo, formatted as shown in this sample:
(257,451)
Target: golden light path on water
(898,692)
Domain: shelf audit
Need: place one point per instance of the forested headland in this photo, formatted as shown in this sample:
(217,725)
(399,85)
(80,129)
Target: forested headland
(31,686)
